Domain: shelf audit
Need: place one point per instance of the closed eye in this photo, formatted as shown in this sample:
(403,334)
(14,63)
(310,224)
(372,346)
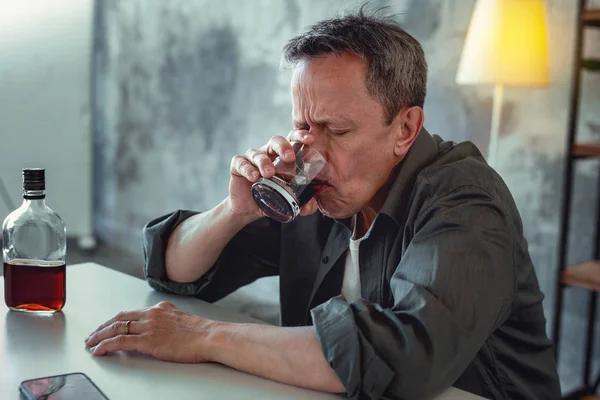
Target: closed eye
(340,132)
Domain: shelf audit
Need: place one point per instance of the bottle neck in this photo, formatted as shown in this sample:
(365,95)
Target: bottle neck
(34,198)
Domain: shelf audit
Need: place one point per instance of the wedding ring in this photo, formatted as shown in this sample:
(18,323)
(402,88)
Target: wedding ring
(127,327)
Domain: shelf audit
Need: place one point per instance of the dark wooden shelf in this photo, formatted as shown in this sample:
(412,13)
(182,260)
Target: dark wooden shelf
(590,149)
(586,275)
(591,17)
(591,64)
(582,394)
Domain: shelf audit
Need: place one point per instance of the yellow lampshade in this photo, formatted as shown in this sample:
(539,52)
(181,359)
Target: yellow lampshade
(507,44)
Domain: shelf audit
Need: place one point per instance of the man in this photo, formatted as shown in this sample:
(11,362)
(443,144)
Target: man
(445,293)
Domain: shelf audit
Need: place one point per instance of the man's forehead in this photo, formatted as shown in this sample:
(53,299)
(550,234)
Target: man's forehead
(330,68)
(330,90)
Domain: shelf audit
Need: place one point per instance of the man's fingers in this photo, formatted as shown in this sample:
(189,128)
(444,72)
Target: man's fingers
(241,166)
(262,161)
(120,342)
(298,135)
(122,316)
(117,328)
(279,146)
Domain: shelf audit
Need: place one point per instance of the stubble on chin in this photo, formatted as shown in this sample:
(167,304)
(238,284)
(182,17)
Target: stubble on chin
(332,209)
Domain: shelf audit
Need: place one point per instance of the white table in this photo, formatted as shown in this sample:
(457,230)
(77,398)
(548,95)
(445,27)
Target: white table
(34,346)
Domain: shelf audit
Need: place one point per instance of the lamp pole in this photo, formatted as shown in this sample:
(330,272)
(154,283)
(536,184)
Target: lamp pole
(495,127)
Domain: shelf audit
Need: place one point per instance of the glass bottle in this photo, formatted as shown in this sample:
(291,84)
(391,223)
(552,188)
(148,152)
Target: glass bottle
(34,248)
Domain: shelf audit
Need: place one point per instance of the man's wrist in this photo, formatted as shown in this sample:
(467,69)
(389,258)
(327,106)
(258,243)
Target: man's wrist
(238,220)
(215,337)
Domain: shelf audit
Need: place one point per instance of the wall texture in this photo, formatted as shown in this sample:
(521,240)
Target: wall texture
(181,86)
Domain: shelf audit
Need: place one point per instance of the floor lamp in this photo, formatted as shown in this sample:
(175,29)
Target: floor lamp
(506,45)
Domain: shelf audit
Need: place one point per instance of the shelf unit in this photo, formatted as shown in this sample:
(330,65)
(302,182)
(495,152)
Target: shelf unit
(586,275)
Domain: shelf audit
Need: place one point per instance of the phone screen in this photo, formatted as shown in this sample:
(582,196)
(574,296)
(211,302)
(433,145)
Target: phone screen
(62,387)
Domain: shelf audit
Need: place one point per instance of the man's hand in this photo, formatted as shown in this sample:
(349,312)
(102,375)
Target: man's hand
(162,331)
(248,168)
(288,355)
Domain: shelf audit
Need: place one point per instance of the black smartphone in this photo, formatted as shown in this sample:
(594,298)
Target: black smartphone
(62,387)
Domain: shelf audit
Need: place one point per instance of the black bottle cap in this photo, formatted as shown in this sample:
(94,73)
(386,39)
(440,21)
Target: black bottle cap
(34,179)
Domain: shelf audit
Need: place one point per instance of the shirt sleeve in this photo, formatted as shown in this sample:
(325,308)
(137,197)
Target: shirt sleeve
(454,284)
(251,254)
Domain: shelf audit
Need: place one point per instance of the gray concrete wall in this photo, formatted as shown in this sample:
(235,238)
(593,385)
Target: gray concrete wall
(183,85)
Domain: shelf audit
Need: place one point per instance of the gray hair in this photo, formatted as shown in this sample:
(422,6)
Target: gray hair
(397,70)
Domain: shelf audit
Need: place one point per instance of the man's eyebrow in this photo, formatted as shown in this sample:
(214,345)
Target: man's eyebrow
(327,121)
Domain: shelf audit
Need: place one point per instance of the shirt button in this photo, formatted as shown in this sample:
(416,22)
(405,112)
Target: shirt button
(325,259)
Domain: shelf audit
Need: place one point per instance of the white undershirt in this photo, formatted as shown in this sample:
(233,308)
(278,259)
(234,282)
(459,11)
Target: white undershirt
(351,282)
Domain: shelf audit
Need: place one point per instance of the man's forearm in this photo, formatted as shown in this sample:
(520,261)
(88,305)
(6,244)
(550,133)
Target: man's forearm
(195,245)
(288,355)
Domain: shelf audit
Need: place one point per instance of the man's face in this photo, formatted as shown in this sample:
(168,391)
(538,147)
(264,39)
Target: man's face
(330,100)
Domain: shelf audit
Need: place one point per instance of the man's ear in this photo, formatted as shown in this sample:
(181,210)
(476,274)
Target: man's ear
(410,122)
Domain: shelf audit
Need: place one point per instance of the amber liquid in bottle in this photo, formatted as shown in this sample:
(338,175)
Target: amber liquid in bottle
(33,285)
(34,250)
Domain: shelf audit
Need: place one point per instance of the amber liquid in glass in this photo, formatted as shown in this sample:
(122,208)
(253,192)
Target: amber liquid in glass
(302,192)
(34,285)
